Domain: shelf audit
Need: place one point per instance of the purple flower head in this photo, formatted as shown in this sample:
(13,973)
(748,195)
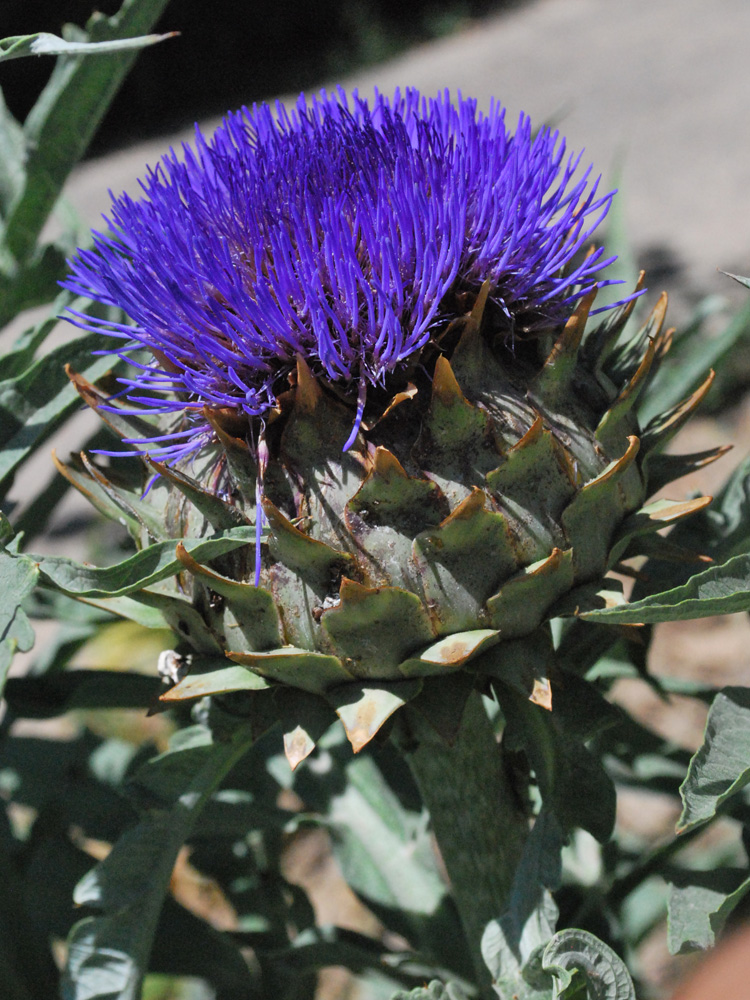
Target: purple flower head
(343,231)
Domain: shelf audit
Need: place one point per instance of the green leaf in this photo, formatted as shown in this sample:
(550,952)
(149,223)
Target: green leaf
(135,609)
(21,355)
(720,590)
(449,653)
(721,766)
(147,567)
(508,948)
(219,513)
(737,277)
(108,954)
(18,576)
(33,282)
(532,915)
(699,905)
(50,695)
(509,943)
(6,530)
(185,945)
(34,403)
(688,363)
(76,624)
(527,960)
(42,43)
(153,609)
(309,671)
(572,780)
(64,119)
(12,157)
(318,947)
(724,527)
(601,970)
(374,629)
(720,531)
(384,850)
(36,514)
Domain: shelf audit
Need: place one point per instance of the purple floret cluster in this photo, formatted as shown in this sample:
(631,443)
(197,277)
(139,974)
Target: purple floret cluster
(342,230)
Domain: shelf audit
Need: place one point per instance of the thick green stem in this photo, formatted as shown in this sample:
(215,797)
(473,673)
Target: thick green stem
(478,823)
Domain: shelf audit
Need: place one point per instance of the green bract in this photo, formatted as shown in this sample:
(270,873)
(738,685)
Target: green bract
(492,492)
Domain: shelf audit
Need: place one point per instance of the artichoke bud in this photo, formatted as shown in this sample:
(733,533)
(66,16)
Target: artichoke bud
(494,468)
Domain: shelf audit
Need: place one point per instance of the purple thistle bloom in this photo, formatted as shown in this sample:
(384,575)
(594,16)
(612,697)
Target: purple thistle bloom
(342,231)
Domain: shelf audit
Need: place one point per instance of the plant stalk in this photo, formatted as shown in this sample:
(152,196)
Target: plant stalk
(477,819)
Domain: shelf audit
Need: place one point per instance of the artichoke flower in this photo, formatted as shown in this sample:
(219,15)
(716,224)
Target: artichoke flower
(365,334)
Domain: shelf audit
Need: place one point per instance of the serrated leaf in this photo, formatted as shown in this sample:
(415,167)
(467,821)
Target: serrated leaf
(108,954)
(145,568)
(724,527)
(721,766)
(719,531)
(720,590)
(699,905)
